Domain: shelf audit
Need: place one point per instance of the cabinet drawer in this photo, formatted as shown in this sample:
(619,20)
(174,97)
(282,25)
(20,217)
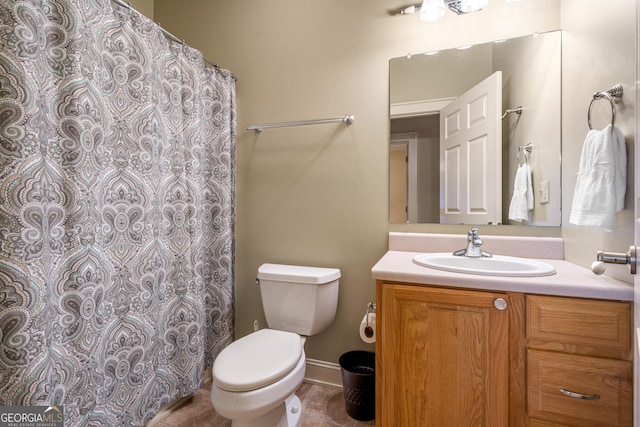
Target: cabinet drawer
(579,324)
(542,423)
(610,380)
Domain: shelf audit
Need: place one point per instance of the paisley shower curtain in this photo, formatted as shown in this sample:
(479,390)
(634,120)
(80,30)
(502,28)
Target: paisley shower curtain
(117,172)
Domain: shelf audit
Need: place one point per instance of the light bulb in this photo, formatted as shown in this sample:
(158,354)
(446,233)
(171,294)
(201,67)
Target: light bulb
(432,10)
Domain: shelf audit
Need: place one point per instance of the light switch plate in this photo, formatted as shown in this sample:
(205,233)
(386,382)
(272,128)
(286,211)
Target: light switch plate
(544,192)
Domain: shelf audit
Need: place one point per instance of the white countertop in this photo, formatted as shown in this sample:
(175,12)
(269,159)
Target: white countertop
(569,280)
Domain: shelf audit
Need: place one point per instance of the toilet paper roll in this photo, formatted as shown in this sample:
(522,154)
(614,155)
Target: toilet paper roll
(368,331)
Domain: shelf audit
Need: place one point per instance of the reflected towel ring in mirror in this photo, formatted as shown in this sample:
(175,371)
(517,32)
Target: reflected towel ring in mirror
(526,150)
(614,95)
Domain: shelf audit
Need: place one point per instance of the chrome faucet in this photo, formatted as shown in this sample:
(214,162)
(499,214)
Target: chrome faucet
(473,248)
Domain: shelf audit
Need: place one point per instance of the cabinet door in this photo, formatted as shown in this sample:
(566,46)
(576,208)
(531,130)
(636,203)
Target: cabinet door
(442,357)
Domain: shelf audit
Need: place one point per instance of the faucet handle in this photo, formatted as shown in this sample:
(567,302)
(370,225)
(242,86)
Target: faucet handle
(472,234)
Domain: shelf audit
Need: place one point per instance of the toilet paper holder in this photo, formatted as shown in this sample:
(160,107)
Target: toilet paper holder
(371,308)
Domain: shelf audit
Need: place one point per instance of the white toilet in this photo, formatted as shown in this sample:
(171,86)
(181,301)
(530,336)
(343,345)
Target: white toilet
(256,376)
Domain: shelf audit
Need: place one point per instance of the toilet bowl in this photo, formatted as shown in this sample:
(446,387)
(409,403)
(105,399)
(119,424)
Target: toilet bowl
(263,392)
(255,378)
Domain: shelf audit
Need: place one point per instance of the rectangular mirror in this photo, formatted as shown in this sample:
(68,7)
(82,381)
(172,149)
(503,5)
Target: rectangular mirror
(476,134)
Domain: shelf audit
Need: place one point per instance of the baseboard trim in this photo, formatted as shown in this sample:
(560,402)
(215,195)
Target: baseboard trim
(323,373)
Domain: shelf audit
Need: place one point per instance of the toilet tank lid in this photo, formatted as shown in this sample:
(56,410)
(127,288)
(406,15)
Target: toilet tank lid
(298,273)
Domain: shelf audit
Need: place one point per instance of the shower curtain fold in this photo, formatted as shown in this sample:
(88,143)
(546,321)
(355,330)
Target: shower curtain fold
(117,192)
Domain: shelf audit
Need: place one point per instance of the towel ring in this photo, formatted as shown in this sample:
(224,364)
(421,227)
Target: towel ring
(526,150)
(614,95)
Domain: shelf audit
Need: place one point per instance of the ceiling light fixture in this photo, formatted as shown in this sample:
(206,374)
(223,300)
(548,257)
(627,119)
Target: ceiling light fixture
(432,10)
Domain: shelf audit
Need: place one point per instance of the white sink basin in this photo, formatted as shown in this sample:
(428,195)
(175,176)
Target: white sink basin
(498,265)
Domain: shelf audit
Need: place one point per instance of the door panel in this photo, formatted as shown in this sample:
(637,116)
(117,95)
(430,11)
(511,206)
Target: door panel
(478,165)
(403,178)
(398,183)
(452,196)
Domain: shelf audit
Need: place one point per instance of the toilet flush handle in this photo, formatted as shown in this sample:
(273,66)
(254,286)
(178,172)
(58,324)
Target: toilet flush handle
(603,258)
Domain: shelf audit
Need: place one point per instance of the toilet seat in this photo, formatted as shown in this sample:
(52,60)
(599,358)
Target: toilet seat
(256,360)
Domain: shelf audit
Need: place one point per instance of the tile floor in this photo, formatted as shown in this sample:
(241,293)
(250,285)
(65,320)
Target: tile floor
(322,406)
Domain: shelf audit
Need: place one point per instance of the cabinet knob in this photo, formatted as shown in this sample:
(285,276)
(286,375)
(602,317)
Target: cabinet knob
(500,304)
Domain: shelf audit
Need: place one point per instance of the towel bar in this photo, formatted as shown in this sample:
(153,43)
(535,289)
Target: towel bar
(348,119)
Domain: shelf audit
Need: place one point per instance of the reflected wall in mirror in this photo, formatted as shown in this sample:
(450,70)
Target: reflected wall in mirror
(431,182)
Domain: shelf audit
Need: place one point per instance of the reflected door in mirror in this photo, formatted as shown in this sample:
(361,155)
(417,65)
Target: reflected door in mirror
(471,155)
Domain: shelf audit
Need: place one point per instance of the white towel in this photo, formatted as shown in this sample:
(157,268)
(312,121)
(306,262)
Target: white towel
(602,179)
(522,199)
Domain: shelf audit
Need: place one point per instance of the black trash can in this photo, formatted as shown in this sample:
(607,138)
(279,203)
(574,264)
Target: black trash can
(359,384)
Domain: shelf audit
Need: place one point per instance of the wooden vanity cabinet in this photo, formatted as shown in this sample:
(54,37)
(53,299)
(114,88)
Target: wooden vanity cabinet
(579,362)
(442,357)
(457,357)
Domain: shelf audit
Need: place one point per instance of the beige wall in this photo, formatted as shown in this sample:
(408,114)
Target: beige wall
(317,195)
(143,6)
(539,67)
(412,77)
(598,52)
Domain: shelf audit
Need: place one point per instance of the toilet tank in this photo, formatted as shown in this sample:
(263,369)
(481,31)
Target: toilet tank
(298,299)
